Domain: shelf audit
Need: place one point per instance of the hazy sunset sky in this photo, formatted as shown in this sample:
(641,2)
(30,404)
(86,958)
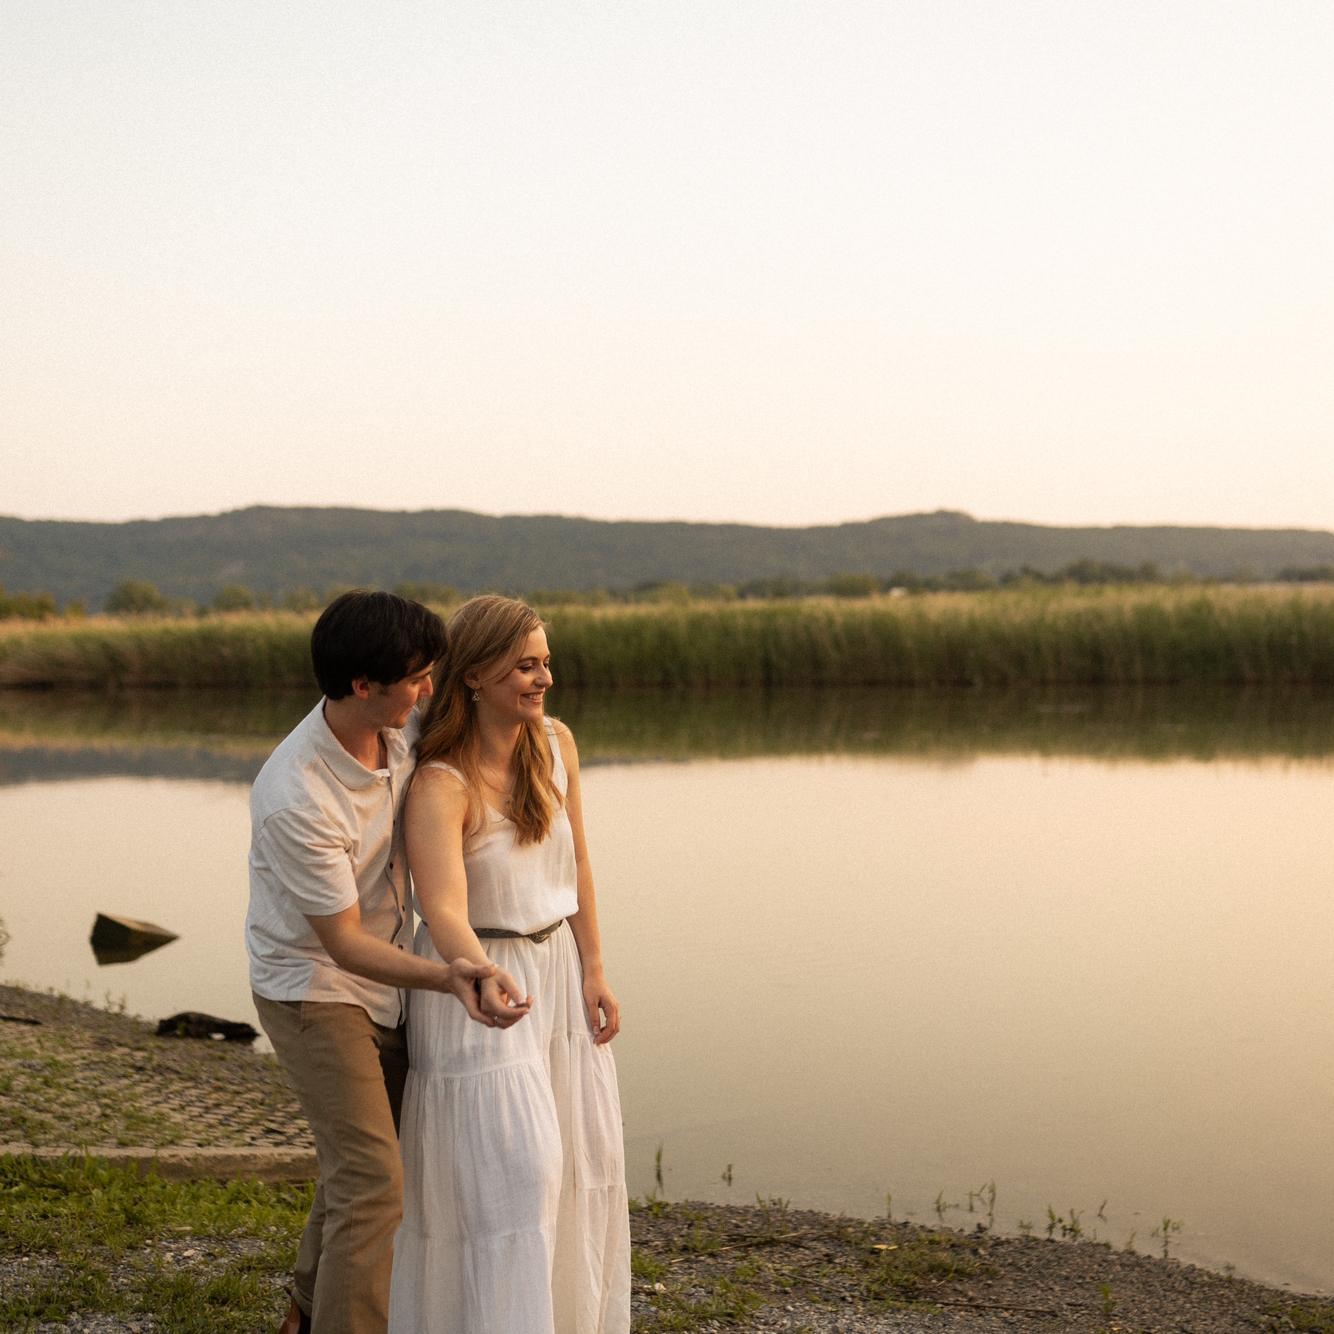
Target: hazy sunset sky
(758,260)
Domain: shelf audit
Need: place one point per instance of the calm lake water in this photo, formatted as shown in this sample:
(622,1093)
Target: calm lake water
(1075,945)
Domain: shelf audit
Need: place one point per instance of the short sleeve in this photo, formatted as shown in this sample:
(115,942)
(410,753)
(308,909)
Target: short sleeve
(309,858)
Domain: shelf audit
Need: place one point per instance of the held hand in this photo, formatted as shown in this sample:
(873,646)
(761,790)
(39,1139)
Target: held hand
(464,977)
(502,1001)
(598,997)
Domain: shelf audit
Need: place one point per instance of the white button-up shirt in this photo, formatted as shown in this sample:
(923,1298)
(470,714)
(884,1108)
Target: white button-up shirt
(322,837)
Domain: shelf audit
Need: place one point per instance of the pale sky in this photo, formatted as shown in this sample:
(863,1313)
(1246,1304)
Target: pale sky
(760,260)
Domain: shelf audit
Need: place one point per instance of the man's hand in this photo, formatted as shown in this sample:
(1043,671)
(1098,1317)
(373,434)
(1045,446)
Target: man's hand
(489,994)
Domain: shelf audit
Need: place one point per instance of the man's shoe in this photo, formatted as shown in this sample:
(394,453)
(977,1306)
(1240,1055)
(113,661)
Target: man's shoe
(296,1321)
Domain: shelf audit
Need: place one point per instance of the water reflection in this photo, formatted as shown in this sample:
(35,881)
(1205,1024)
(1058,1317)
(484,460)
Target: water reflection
(46,736)
(847,975)
(228,735)
(1137,724)
(1064,963)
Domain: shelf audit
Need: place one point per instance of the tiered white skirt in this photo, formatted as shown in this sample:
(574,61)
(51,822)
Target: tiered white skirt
(515,1216)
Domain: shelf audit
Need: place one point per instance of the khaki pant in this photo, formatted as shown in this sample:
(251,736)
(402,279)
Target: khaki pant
(348,1073)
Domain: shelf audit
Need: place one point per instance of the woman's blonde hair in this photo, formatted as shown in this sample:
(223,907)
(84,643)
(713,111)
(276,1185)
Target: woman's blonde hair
(486,637)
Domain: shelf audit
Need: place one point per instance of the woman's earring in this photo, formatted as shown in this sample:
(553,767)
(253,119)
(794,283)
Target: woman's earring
(476,695)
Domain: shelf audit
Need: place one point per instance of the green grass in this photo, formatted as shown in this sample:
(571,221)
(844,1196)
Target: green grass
(80,1236)
(1040,636)
(713,1264)
(916,1268)
(1066,635)
(1303,1317)
(110,653)
(100,1238)
(719,1299)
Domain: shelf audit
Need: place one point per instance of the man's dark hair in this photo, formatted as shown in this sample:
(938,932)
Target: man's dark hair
(380,636)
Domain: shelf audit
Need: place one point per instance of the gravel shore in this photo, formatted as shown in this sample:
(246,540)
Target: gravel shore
(77,1079)
(75,1076)
(826,1275)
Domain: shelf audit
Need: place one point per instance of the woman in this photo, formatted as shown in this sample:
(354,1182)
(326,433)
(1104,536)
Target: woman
(515,1215)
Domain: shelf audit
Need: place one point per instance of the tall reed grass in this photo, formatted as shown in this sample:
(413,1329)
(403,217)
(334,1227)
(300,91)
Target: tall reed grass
(1036,636)
(264,650)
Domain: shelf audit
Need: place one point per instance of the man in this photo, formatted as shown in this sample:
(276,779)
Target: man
(329,935)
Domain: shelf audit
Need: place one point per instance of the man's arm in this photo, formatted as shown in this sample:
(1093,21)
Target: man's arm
(355,950)
(317,872)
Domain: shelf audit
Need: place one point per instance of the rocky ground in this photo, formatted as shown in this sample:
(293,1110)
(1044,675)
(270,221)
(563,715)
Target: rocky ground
(825,1275)
(79,1079)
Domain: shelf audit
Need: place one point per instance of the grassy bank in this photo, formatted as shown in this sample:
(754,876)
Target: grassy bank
(1127,636)
(197,1257)
(87,1243)
(83,1240)
(106,652)
(206,1257)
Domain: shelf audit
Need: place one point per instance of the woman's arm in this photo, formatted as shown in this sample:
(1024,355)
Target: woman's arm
(598,996)
(433,820)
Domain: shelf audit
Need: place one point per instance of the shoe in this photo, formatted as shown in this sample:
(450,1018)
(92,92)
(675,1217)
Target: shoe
(296,1321)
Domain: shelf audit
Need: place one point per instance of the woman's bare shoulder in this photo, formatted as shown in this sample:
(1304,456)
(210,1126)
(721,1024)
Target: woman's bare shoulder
(438,780)
(569,752)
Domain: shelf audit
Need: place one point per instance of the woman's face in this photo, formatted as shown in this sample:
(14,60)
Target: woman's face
(516,692)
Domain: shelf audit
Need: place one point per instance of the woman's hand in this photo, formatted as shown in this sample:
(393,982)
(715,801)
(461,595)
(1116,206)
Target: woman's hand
(501,1000)
(487,993)
(604,1010)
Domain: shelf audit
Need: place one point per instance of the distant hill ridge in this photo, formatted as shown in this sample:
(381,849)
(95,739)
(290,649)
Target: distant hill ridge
(272,550)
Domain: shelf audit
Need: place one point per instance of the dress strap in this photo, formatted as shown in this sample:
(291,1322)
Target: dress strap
(557,759)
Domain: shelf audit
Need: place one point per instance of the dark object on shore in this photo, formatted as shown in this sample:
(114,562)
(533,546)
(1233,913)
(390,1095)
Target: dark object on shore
(18,1019)
(192,1024)
(124,939)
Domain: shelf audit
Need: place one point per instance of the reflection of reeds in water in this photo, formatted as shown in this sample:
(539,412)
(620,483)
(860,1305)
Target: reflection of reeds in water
(1036,636)
(227,735)
(955,725)
(232,721)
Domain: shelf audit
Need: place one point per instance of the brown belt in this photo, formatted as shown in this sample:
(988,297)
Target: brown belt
(500,933)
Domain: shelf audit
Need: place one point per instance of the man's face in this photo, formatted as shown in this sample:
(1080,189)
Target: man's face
(395,702)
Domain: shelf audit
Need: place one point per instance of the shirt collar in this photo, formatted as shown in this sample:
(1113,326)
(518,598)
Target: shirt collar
(351,772)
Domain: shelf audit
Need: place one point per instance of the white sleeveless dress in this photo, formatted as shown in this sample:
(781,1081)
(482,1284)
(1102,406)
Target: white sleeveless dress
(515,1218)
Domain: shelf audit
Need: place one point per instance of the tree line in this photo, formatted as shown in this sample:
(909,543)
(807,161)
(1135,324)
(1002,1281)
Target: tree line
(140,597)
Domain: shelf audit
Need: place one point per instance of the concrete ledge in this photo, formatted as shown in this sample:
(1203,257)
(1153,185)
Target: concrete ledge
(183,1164)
